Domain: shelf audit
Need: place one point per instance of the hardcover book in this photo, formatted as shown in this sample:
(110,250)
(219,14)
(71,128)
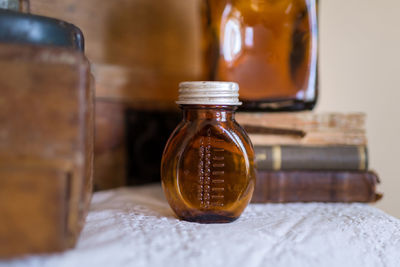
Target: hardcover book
(304,128)
(338,158)
(315,186)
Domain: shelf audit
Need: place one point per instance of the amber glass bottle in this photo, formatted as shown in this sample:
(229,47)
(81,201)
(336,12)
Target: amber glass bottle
(269,47)
(207,169)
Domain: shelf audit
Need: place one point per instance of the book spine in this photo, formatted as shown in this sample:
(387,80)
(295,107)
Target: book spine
(336,158)
(308,186)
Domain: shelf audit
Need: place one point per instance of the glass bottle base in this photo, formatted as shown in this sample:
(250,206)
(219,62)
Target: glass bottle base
(210,218)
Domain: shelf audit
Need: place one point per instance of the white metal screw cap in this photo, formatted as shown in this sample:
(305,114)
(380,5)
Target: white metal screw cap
(208,93)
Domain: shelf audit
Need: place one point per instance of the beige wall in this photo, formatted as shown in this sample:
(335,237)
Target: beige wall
(359,71)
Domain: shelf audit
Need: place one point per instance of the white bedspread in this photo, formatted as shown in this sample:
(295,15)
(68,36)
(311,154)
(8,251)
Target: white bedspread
(136,227)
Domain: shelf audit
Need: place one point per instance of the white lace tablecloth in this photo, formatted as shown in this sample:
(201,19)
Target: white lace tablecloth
(136,227)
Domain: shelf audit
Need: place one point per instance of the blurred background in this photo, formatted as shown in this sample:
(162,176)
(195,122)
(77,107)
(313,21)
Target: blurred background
(138,51)
(359,55)
(359,71)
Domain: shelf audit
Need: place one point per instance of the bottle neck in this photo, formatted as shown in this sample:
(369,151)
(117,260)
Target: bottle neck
(217,113)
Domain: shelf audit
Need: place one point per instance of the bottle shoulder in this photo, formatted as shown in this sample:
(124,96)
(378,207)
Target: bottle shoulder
(191,134)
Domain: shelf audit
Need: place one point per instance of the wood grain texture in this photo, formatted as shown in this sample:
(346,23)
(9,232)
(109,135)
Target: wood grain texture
(46,114)
(110,145)
(33,204)
(129,143)
(318,128)
(140,87)
(140,50)
(146,46)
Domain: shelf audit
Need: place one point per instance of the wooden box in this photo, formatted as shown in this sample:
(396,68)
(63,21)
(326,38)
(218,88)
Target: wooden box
(46,148)
(140,50)
(129,143)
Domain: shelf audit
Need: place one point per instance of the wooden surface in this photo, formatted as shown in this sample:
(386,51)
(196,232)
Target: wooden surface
(140,87)
(141,49)
(33,209)
(110,145)
(46,147)
(317,128)
(129,143)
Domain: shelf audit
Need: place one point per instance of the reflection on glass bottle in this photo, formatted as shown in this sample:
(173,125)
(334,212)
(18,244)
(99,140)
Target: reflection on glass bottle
(268,46)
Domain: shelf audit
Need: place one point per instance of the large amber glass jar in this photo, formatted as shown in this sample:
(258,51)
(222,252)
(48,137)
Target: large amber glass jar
(207,169)
(269,47)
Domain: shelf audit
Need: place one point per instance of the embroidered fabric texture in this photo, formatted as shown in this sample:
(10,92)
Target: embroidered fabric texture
(136,227)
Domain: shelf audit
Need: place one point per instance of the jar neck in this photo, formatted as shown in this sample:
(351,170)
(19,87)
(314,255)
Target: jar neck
(200,112)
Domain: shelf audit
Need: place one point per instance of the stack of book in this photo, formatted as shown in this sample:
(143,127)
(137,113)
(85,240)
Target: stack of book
(306,157)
